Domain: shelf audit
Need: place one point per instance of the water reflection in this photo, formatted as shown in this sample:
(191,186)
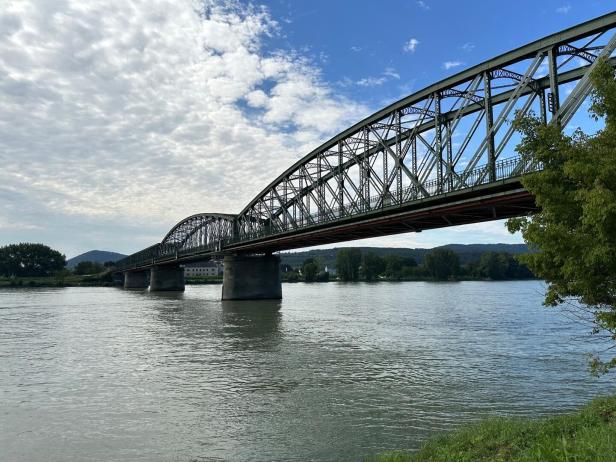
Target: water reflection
(257,320)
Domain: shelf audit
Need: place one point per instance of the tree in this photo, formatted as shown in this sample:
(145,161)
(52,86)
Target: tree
(493,265)
(290,276)
(347,264)
(442,264)
(88,267)
(575,229)
(372,265)
(499,266)
(27,259)
(396,266)
(322,276)
(310,269)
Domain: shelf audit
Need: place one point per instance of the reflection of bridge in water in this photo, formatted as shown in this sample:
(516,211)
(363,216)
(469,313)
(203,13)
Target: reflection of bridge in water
(443,156)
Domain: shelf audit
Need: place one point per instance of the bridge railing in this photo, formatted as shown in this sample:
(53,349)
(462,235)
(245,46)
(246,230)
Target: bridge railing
(504,169)
(149,254)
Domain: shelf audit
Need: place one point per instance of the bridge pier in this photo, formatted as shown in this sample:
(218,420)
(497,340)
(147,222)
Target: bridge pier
(251,277)
(136,280)
(166,278)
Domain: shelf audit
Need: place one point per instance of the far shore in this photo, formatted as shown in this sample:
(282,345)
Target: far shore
(98,281)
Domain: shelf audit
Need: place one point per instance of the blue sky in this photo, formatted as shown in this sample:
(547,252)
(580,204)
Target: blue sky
(120,117)
(361,40)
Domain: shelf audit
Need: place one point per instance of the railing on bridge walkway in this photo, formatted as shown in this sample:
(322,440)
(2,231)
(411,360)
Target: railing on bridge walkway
(511,167)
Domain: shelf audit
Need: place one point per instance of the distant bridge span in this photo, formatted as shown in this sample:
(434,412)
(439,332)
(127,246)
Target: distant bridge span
(440,157)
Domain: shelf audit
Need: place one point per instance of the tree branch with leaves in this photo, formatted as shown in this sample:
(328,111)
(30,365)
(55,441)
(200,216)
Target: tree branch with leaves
(574,233)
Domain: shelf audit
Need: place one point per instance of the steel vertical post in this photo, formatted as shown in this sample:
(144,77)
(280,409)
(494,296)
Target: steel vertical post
(414,166)
(366,167)
(340,180)
(487,101)
(438,142)
(385,187)
(398,159)
(553,69)
(449,157)
(320,205)
(543,114)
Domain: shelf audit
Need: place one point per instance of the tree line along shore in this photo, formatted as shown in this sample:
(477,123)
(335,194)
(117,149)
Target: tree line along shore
(37,265)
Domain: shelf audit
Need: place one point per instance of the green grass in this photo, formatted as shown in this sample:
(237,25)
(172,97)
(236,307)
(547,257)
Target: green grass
(588,435)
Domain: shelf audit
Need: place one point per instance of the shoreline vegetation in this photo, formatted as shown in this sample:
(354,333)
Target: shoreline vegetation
(105,281)
(586,435)
(36,265)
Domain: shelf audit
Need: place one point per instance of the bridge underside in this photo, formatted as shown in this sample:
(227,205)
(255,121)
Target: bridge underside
(505,200)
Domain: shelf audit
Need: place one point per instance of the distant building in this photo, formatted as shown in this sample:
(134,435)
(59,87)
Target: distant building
(208,268)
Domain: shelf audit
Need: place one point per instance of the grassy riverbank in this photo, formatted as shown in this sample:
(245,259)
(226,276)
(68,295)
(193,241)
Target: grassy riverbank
(588,435)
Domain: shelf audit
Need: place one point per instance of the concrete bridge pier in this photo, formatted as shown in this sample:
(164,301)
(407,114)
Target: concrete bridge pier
(251,277)
(136,280)
(166,278)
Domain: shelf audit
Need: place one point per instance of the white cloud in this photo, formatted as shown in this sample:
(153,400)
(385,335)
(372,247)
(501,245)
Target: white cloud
(563,9)
(451,64)
(423,5)
(411,45)
(468,47)
(391,72)
(355,49)
(132,120)
(388,74)
(371,81)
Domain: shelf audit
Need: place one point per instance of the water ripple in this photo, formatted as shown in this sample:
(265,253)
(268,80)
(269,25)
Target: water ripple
(333,372)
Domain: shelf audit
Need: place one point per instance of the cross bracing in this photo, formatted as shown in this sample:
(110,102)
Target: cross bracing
(445,141)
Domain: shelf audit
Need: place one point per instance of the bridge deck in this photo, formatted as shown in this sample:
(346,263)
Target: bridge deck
(494,201)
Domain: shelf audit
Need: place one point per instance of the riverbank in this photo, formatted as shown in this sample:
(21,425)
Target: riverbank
(104,281)
(586,435)
(53,281)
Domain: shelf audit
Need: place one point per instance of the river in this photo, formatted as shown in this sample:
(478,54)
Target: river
(333,372)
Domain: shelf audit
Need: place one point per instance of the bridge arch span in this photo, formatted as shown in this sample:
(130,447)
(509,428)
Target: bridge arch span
(202,231)
(452,136)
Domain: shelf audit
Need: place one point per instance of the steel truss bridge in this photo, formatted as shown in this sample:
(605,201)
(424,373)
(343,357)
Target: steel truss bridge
(440,157)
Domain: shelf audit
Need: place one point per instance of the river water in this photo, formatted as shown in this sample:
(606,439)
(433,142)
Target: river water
(333,372)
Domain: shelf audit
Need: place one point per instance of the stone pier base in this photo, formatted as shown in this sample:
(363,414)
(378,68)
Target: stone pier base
(136,280)
(251,277)
(163,278)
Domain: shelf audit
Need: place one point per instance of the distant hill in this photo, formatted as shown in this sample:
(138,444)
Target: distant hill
(99,256)
(466,252)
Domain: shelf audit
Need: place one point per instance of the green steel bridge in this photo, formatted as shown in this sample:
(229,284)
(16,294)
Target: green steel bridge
(443,156)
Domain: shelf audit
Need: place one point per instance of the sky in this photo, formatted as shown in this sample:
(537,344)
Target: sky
(118,118)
